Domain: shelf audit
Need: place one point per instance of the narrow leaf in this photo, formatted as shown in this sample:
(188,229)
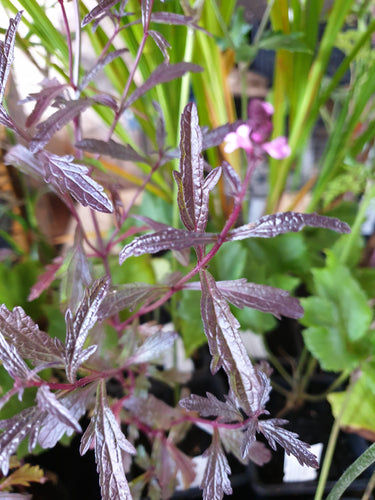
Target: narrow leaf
(153,346)
(12,361)
(111,148)
(210,406)
(227,348)
(215,480)
(193,201)
(152,411)
(162,43)
(232,179)
(14,431)
(98,10)
(50,90)
(264,298)
(274,433)
(65,176)
(48,402)
(32,343)
(7,52)
(79,326)
(146,9)
(45,279)
(75,404)
(110,443)
(129,296)
(168,239)
(162,74)
(285,222)
(47,129)
(69,177)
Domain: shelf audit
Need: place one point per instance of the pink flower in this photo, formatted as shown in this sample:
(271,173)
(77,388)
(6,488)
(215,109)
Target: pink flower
(278,148)
(239,139)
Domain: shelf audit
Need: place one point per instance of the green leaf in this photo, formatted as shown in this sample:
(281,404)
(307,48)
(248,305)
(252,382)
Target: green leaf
(293,42)
(254,320)
(189,321)
(359,412)
(229,263)
(338,318)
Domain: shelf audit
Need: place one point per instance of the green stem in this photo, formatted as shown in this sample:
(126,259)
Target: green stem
(331,448)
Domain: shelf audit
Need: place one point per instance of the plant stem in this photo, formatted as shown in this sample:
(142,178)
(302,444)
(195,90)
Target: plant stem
(331,448)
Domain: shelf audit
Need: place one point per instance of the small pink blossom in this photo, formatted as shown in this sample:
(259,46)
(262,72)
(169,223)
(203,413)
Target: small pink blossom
(239,139)
(278,148)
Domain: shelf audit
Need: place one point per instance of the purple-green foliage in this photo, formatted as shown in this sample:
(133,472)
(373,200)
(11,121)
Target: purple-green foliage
(26,351)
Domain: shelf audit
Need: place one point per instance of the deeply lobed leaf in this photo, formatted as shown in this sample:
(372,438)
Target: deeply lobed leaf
(274,433)
(32,343)
(215,480)
(78,327)
(110,443)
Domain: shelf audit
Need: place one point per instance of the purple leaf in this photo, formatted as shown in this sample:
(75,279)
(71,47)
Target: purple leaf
(6,120)
(181,462)
(215,480)
(264,298)
(146,9)
(69,177)
(12,361)
(57,121)
(129,296)
(79,326)
(75,403)
(14,431)
(177,20)
(210,406)
(45,279)
(168,239)
(152,411)
(78,276)
(232,179)
(285,222)
(102,7)
(48,402)
(110,443)
(153,346)
(249,438)
(31,342)
(215,136)
(91,74)
(162,43)
(232,440)
(274,433)
(227,348)
(193,190)
(162,74)
(111,148)
(7,52)
(50,90)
